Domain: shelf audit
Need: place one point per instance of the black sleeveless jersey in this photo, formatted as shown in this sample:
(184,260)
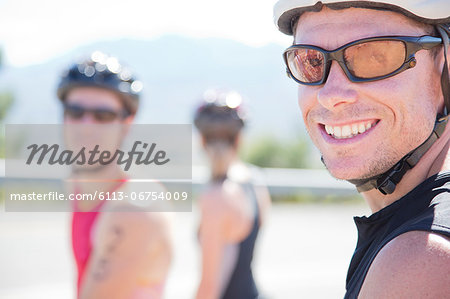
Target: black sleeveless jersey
(241,284)
(426,208)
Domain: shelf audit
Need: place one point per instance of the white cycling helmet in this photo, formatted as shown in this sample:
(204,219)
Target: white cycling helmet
(433,12)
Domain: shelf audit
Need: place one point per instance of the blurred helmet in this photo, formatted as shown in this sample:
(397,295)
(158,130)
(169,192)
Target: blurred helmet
(103,71)
(220,114)
(432,12)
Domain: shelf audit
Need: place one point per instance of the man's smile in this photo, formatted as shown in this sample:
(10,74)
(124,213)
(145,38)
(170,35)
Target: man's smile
(349,131)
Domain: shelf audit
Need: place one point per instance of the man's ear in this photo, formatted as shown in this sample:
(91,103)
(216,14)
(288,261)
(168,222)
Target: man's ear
(440,58)
(129,119)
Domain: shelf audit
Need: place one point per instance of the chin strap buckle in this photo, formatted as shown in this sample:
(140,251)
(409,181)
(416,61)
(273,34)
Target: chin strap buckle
(387,186)
(388,182)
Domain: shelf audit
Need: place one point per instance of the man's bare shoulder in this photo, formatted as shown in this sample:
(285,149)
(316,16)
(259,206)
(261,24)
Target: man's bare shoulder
(139,229)
(413,265)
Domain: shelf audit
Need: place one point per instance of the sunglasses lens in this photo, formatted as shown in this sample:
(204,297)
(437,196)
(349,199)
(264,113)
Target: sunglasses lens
(374,59)
(105,115)
(306,65)
(73,111)
(99,114)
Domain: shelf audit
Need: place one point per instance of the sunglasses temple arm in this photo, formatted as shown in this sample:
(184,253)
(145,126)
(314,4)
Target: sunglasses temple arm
(429,42)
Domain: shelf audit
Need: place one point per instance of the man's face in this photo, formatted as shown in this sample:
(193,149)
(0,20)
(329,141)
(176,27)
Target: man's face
(96,125)
(94,98)
(395,114)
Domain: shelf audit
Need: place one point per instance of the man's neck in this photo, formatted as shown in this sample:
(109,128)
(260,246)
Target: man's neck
(103,180)
(435,160)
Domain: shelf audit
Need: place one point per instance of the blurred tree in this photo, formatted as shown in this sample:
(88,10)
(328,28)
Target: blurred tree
(268,151)
(6,101)
(296,153)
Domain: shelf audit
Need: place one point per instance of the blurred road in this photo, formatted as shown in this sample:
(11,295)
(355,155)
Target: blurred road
(303,252)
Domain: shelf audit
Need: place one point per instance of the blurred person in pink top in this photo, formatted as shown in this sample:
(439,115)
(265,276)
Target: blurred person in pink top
(119,254)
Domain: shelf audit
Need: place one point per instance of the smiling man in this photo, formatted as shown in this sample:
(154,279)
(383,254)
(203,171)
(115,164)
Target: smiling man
(122,250)
(374,94)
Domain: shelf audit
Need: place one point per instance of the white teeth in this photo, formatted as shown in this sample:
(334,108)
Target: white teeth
(331,130)
(348,131)
(337,131)
(361,128)
(355,129)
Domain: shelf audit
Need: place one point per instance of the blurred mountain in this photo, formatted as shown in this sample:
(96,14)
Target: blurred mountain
(175,71)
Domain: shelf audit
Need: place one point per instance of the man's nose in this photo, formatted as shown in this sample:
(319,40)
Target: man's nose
(338,90)
(88,118)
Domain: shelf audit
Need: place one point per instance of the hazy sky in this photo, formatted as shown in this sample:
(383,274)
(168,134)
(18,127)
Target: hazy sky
(34,31)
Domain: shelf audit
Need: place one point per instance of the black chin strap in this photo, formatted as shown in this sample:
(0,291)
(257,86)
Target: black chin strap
(444,31)
(387,182)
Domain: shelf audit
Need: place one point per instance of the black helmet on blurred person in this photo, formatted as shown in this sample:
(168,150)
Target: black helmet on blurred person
(103,71)
(220,114)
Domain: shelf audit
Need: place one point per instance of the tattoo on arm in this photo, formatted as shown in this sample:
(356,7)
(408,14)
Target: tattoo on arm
(102,268)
